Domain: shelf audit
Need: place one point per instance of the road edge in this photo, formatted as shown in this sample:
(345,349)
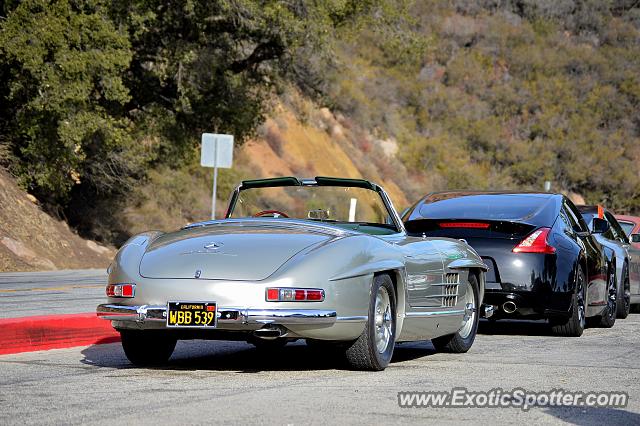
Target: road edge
(39,333)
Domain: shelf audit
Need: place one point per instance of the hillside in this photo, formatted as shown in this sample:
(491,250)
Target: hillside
(31,240)
(506,95)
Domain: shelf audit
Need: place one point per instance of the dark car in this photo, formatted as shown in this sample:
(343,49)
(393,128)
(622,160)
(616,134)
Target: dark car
(543,261)
(627,256)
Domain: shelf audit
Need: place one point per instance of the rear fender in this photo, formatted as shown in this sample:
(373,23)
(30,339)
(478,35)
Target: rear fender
(467,263)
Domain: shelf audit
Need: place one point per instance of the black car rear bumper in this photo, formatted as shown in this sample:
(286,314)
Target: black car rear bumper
(529,304)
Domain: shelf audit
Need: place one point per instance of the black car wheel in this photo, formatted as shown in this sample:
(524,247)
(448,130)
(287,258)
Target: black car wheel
(574,325)
(147,348)
(608,318)
(374,348)
(624,294)
(462,340)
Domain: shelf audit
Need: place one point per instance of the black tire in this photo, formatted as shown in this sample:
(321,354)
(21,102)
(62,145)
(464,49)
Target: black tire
(574,325)
(608,318)
(147,348)
(363,353)
(624,294)
(457,342)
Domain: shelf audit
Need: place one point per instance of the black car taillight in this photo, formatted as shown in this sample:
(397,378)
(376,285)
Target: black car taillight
(468,225)
(536,242)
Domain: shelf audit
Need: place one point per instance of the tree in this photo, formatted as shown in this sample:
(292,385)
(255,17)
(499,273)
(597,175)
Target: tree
(94,92)
(63,97)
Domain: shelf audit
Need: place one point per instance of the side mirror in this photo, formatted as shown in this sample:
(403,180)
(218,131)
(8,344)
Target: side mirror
(635,238)
(599,226)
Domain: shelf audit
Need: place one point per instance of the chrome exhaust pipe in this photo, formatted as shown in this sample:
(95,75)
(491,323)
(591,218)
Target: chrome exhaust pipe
(509,307)
(270,333)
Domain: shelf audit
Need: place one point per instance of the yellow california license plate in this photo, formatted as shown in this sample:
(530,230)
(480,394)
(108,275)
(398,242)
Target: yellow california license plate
(192,314)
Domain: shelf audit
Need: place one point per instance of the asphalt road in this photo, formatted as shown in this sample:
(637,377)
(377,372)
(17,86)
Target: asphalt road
(51,293)
(233,383)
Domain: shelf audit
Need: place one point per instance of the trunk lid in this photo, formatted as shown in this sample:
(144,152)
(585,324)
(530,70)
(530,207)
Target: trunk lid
(226,252)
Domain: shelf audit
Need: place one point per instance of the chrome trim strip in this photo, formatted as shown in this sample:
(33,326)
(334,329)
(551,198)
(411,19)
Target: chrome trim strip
(245,316)
(435,296)
(431,314)
(356,318)
(290,316)
(132,313)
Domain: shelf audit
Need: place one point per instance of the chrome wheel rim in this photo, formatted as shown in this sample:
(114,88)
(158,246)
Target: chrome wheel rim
(470,312)
(625,289)
(611,300)
(383,320)
(580,300)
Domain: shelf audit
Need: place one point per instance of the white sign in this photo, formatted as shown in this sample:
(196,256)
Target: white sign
(217,150)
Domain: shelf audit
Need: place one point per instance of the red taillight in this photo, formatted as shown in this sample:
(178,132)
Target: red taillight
(287,294)
(315,295)
(472,225)
(536,242)
(127,290)
(273,294)
(121,290)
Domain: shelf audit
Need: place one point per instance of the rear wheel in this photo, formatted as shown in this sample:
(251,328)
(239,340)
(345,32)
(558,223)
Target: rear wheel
(374,348)
(608,318)
(574,325)
(624,294)
(462,340)
(147,348)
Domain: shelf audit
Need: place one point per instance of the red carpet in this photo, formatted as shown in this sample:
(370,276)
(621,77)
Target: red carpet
(40,333)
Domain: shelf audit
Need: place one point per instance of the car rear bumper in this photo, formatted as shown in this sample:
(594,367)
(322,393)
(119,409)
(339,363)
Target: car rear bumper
(156,313)
(529,304)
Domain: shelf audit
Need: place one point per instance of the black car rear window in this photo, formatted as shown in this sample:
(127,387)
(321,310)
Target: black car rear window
(485,206)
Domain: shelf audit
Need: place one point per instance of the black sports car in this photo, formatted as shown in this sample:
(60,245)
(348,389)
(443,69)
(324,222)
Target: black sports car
(543,261)
(627,256)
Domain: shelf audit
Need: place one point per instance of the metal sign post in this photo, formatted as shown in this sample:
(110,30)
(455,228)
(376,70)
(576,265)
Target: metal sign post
(217,151)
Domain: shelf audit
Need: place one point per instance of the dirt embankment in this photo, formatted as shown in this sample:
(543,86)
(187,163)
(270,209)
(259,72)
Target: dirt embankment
(326,145)
(31,240)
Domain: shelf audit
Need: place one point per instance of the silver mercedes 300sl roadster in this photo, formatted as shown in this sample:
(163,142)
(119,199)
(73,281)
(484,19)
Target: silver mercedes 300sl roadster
(324,259)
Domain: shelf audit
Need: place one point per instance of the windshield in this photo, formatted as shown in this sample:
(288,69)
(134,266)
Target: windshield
(349,207)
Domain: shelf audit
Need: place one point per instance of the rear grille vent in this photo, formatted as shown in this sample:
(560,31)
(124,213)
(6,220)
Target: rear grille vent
(450,294)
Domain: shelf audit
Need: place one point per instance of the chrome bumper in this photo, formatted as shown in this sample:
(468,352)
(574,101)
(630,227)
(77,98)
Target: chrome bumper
(157,313)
